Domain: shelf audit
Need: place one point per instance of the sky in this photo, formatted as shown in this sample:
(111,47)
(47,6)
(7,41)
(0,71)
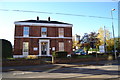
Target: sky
(81,24)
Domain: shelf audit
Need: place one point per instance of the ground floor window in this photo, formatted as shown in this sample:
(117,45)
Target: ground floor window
(25,46)
(61,46)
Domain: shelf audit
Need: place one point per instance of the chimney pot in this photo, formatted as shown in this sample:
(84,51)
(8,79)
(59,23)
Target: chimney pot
(37,18)
(48,18)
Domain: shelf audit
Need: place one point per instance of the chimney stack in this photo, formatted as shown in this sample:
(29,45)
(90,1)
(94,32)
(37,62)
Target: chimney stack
(37,18)
(48,18)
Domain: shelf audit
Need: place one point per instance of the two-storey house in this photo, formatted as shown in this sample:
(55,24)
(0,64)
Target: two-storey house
(41,37)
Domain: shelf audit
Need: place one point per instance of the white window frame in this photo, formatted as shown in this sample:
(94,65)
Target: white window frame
(43,32)
(61,46)
(24,31)
(61,32)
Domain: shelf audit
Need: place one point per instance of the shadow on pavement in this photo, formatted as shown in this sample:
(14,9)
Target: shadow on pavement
(96,71)
(35,68)
(85,71)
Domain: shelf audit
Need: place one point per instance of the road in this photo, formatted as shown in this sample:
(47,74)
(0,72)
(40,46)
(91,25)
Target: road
(68,71)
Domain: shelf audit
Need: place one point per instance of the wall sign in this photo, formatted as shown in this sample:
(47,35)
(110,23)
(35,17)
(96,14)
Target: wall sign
(35,48)
(53,48)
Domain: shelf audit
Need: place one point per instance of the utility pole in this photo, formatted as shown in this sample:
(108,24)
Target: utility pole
(104,39)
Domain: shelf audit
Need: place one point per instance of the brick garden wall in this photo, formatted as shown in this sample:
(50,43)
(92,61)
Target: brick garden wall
(77,60)
(26,62)
(21,62)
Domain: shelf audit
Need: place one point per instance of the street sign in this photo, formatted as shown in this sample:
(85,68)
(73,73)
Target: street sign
(102,49)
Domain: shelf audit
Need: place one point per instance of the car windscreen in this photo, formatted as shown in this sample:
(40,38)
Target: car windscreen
(78,50)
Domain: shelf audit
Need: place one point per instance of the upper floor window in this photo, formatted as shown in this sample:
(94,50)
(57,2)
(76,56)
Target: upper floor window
(44,32)
(61,32)
(26,32)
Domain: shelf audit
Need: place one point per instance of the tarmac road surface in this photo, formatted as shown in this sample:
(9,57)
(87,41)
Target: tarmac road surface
(68,72)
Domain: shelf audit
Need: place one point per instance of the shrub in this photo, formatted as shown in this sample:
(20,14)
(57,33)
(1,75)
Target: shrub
(74,55)
(93,54)
(32,57)
(10,58)
(45,58)
(6,49)
(54,54)
(81,56)
(61,54)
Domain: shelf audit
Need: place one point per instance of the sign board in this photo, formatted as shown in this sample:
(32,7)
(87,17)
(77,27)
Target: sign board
(35,48)
(102,49)
(53,48)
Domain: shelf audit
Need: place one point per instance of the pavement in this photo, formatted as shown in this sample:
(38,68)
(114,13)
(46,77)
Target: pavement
(44,67)
(101,69)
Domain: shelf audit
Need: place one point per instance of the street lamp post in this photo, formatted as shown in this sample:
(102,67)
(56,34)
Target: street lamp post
(113,33)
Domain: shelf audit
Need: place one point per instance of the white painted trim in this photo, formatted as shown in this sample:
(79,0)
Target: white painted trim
(43,24)
(43,37)
(48,50)
(18,56)
(25,54)
(22,56)
(25,35)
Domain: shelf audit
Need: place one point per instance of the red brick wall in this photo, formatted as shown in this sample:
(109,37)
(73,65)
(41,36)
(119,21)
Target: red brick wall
(17,47)
(68,32)
(35,31)
(52,32)
(33,43)
(53,43)
(76,60)
(67,44)
(18,30)
(21,62)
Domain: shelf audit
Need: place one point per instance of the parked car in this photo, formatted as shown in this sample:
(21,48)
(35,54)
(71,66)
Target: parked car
(79,52)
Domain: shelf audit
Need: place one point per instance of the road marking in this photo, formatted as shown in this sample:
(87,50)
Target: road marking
(21,73)
(18,73)
(58,67)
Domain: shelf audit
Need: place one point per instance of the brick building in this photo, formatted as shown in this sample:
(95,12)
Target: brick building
(41,37)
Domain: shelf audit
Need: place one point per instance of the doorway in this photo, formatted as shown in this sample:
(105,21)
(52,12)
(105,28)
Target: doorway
(44,48)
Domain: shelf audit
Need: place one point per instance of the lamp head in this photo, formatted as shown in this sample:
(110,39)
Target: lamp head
(113,9)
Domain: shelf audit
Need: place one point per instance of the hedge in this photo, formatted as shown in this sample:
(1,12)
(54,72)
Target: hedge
(6,49)
(61,54)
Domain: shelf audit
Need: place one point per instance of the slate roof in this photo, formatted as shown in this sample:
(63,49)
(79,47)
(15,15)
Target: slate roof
(44,21)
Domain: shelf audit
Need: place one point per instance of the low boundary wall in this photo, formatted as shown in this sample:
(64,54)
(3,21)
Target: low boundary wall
(26,62)
(21,62)
(76,60)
